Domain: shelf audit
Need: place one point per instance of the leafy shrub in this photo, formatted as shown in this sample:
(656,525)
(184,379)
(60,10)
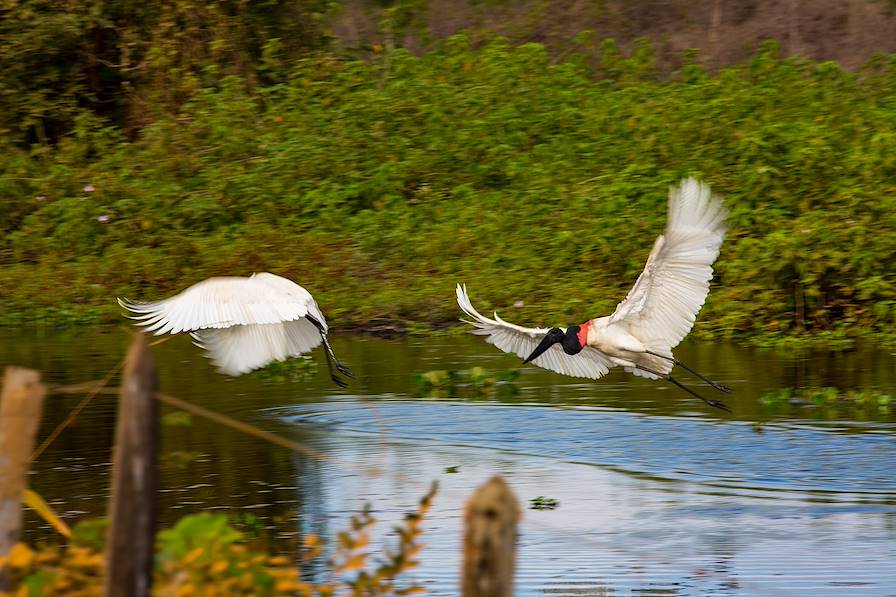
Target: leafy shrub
(379,184)
(203,554)
(126,62)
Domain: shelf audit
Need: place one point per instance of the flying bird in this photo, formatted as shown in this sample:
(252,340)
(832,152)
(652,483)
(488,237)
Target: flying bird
(657,314)
(243,323)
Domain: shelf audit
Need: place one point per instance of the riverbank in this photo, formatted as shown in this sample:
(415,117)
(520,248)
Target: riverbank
(541,184)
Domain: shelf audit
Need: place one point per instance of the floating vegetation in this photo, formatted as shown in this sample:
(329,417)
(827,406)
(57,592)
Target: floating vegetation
(452,469)
(180,459)
(543,503)
(437,379)
(828,397)
(477,381)
(177,418)
(480,377)
(295,369)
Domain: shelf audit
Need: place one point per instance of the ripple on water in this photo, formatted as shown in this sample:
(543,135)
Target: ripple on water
(683,524)
(785,457)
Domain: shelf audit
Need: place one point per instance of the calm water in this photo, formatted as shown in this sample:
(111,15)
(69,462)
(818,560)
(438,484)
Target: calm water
(658,494)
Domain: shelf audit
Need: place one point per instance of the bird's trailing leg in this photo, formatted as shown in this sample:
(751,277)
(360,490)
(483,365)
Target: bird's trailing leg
(331,356)
(715,384)
(336,362)
(331,359)
(669,378)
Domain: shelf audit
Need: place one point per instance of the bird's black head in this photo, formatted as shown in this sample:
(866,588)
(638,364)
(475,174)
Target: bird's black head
(569,340)
(571,343)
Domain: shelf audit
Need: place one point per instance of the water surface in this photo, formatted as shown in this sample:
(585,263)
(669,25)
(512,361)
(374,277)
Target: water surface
(658,494)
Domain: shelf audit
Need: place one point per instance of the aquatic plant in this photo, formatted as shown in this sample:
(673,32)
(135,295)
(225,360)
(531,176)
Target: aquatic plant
(825,397)
(300,368)
(180,459)
(436,379)
(481,377)
(543,503)
(477,381)
(176,418)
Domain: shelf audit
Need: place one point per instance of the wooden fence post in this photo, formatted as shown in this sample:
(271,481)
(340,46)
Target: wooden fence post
(132,512)
(490,520)
(20,406)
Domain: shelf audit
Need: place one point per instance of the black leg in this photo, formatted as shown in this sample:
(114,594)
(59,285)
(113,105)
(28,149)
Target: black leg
(330,355)
(339,366)
(715,384)
(669,378)
(714,403)
(336,379)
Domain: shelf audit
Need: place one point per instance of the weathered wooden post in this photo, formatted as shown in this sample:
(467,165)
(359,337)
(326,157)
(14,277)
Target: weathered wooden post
(20,406)
(132,512)
(490,520)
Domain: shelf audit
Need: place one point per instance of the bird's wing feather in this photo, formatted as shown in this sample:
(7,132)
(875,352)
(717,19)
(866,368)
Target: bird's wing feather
(521,341)
(240,349)
(223,302)
(290,288)
(661,307)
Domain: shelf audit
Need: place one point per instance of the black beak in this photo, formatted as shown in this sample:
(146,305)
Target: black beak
(549,340)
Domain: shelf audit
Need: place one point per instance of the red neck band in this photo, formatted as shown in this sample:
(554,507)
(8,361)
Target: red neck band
(583,333)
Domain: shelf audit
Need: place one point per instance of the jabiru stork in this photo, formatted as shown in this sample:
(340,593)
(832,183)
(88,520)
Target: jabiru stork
(657,314)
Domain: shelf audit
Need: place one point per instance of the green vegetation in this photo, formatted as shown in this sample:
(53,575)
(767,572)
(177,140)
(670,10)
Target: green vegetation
(380,183)
(295,369)
(477,381)
(855,404)
(543,503)
(127,62)
(177,418)
(204,554)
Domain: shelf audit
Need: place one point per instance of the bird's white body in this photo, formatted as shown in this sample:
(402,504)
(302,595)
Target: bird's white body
(659,310)
(242,323)
(615,341)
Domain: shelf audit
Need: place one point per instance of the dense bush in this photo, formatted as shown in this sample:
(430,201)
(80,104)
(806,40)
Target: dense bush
(128,62)
(380,184)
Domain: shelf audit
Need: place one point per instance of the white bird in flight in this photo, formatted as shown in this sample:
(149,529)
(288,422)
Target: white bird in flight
(657,314)
(243,323)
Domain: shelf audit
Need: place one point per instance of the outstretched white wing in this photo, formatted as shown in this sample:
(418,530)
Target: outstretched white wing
(522,341)
(225,302)
(242,323)
(661,307)
(242,348)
